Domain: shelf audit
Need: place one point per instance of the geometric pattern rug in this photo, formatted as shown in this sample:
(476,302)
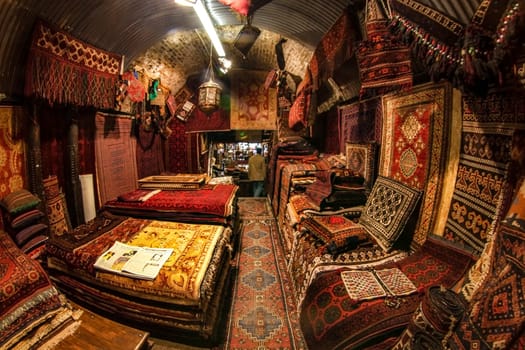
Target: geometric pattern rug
(263,312)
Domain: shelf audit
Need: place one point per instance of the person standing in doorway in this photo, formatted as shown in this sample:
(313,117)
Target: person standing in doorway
(257,172)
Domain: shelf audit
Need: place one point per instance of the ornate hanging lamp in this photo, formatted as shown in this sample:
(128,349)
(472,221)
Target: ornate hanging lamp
(209,92)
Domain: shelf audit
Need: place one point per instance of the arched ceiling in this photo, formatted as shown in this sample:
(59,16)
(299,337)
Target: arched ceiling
(166,40)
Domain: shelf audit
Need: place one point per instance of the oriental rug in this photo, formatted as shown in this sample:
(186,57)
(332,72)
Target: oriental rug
(252,107)
(263,313)
(416,134)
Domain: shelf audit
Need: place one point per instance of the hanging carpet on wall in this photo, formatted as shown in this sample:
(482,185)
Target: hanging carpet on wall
(115,156)
(384,61)
(486,137)
(63,69)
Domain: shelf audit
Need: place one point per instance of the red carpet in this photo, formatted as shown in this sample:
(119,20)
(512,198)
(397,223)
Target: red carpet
(263,313)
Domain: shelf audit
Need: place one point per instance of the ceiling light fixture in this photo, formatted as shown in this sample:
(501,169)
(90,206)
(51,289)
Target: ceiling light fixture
(207,23)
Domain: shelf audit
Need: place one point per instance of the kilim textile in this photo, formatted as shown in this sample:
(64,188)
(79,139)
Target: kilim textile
(308,258)
(335,48)
(283,130)
(360,122)
(64,70)
(510,203)
(415,137)
(56,207)
(252,107)
(115,156)
(286,175)
(214,203)
(384,60)
(13,166)
(496,317)
(286,165)
(338,233)
(371,284)
(27,297)
(488,125)
(330,319)
(263,313)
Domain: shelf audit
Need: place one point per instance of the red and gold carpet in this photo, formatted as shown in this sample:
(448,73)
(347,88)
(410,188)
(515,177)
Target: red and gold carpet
(263,312)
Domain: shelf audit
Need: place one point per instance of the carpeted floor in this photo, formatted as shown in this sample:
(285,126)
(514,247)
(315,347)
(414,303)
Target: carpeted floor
(263,313)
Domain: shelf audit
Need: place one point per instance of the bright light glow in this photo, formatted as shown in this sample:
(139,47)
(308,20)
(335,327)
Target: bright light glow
(208,26)
(186,2)
(225,64)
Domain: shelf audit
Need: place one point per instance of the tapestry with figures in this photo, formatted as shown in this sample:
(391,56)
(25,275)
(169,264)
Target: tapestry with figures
(415,137)
(486,139)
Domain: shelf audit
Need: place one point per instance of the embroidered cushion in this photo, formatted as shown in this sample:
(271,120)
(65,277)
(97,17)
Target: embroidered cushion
(20,201)
(338,233)
(387,210)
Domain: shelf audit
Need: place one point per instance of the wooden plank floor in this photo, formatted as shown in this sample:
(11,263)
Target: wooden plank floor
(98,333)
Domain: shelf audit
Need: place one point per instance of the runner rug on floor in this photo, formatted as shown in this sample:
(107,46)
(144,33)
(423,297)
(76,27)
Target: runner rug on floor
(263,313)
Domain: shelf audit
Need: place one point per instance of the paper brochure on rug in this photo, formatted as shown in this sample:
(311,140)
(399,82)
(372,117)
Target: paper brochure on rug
(371,284)
(133,261)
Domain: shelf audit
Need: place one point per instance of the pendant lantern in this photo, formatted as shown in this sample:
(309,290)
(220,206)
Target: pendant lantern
(209,92)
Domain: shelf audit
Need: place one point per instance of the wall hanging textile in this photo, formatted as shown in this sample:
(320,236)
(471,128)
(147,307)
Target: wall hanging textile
(63,69)
(199,121)
(335,48)
(177,161)
(384,61)
(495,318)
(252,106)
(360,122)
(12,167)
(473,57)
(115,152)
(488,126)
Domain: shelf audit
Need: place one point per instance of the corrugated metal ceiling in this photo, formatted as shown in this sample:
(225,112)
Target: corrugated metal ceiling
(133,27)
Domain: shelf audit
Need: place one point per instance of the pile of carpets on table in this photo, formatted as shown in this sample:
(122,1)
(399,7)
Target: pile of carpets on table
(185,302)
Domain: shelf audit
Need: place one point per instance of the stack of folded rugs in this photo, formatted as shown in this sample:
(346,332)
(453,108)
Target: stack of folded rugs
(24,221)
